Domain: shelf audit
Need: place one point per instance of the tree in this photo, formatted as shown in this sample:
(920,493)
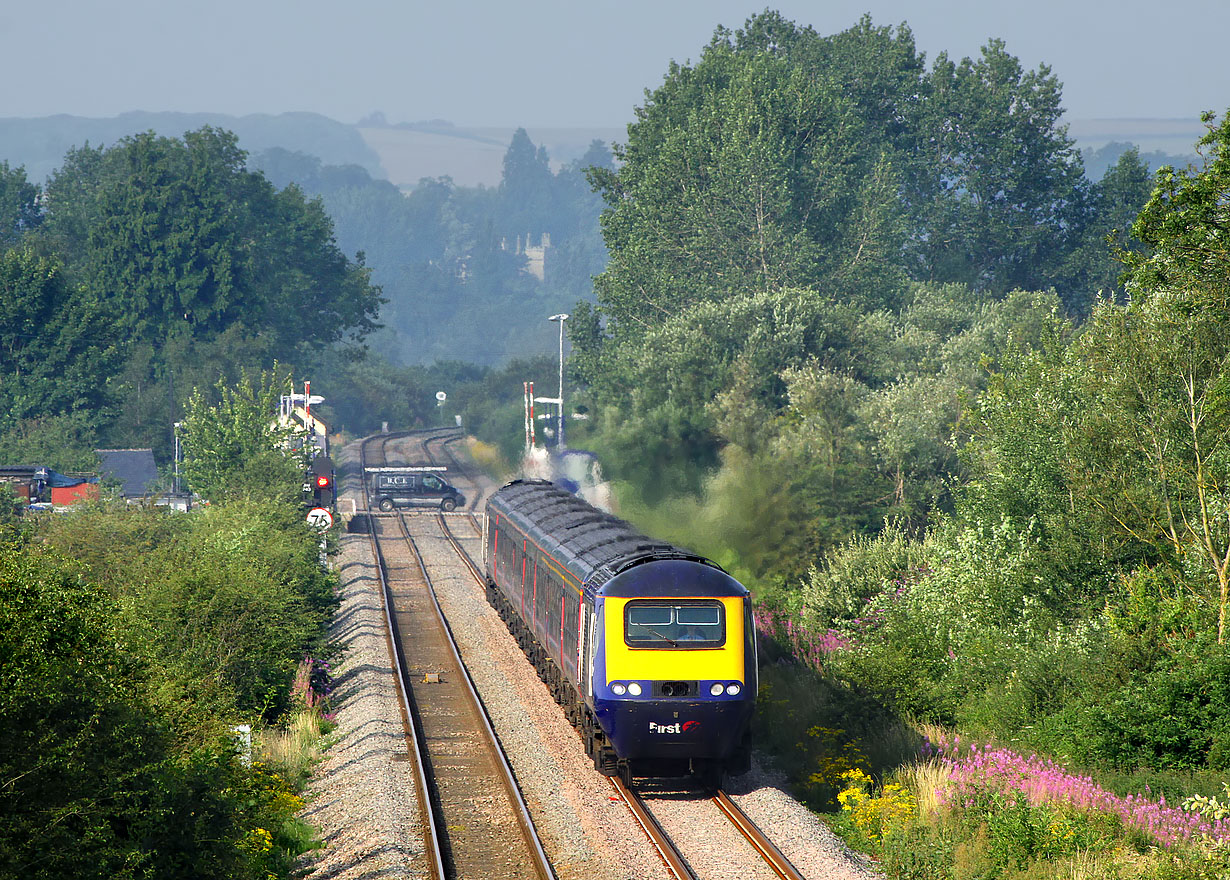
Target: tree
(1096,266)
(1155,456)
(90,782)
(196,262)
(526,189)
(747,172)
(1185,223)
(182,240)
(1159,370)
(234,448)
(1005,178)
(57,350)
(19,209)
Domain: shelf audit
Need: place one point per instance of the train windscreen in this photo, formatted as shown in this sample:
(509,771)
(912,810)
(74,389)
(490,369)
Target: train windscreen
(659,624)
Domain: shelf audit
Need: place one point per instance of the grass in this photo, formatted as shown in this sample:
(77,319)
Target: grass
(296,747)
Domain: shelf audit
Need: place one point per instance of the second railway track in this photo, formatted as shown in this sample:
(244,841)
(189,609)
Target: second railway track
(479,822)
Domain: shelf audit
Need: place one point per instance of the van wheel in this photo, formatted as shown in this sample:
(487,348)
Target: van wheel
(448,504)
(386,504)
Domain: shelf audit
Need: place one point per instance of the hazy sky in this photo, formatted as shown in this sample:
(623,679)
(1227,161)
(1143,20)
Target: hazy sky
(550,62)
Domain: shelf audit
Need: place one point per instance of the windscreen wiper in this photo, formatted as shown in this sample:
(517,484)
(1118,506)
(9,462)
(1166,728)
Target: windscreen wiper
(672,642)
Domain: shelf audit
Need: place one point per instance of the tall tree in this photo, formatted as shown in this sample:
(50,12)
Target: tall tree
(182,240)
(232,448)
(1006,179)
(1158,455)
(57,350)
(19,210)
(1096,265)
(743,173)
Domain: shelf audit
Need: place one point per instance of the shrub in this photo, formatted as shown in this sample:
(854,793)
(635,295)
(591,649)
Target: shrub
(877,815)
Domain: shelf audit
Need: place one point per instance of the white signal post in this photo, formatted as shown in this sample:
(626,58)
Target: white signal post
(561,318)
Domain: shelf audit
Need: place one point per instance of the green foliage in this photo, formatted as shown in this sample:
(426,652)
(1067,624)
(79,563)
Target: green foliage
(855,424)
(815,728)
(1183,221)
(856,571)
(1114,202)
(56,349)
(63,442)
(120,673)
(18,204)
(227,600)
(1152,459)
(94,785)
(160,259)
(918,852)
(748,172)
(234,448)
(1007,174)
(182,240)
(784,158)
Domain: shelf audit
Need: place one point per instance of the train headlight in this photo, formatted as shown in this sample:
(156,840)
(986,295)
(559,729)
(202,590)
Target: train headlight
(733,689)
(634,689)
(619,690)
(716,689)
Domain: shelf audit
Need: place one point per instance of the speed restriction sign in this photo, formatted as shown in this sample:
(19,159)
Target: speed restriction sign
(320,517)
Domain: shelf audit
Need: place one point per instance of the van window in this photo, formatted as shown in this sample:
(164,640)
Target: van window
(654,623)
(432,483)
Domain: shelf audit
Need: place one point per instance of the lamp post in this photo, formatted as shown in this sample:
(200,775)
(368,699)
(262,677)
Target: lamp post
(561,318)
(175,482)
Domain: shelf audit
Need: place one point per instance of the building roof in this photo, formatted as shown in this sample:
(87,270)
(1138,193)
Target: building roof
(134,468)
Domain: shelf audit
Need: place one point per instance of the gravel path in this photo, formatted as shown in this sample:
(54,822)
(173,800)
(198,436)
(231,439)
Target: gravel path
(361,797)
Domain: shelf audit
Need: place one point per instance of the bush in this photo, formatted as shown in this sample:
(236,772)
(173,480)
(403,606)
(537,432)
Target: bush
(96,783)
(859,570)
(226,599)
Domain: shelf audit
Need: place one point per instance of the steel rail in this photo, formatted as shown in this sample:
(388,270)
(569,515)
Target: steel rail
(771,854)
(455,543)
(657,836)
(542,865)
(431,826)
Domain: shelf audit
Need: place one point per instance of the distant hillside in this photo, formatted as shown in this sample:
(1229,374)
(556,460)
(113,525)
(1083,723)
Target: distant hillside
(405,153)
(40,144)
(470,156)
(1160,141)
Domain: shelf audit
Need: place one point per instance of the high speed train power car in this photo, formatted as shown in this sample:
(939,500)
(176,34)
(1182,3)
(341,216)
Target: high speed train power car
(650,649)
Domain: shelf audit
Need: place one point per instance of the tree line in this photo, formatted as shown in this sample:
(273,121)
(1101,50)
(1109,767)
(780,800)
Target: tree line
(148,268)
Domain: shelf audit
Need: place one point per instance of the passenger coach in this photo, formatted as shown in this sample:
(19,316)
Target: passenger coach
(650,649)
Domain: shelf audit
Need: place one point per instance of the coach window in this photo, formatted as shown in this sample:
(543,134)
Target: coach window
(653,623)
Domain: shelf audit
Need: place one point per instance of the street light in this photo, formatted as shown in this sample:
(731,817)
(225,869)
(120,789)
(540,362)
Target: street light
(561,318)
(175,482)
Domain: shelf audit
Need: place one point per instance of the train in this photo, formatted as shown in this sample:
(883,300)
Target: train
(649,649)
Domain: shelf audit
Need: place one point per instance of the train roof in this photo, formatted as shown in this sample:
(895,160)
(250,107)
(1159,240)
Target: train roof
(594,545)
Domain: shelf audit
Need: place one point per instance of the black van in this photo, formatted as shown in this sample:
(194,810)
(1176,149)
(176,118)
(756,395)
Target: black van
(392,487)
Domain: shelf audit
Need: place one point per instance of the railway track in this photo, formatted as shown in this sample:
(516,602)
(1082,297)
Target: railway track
(431,709)
(693,866)
(476,823)
(670,854)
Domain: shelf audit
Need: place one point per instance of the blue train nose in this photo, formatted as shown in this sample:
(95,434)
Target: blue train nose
(678,729)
